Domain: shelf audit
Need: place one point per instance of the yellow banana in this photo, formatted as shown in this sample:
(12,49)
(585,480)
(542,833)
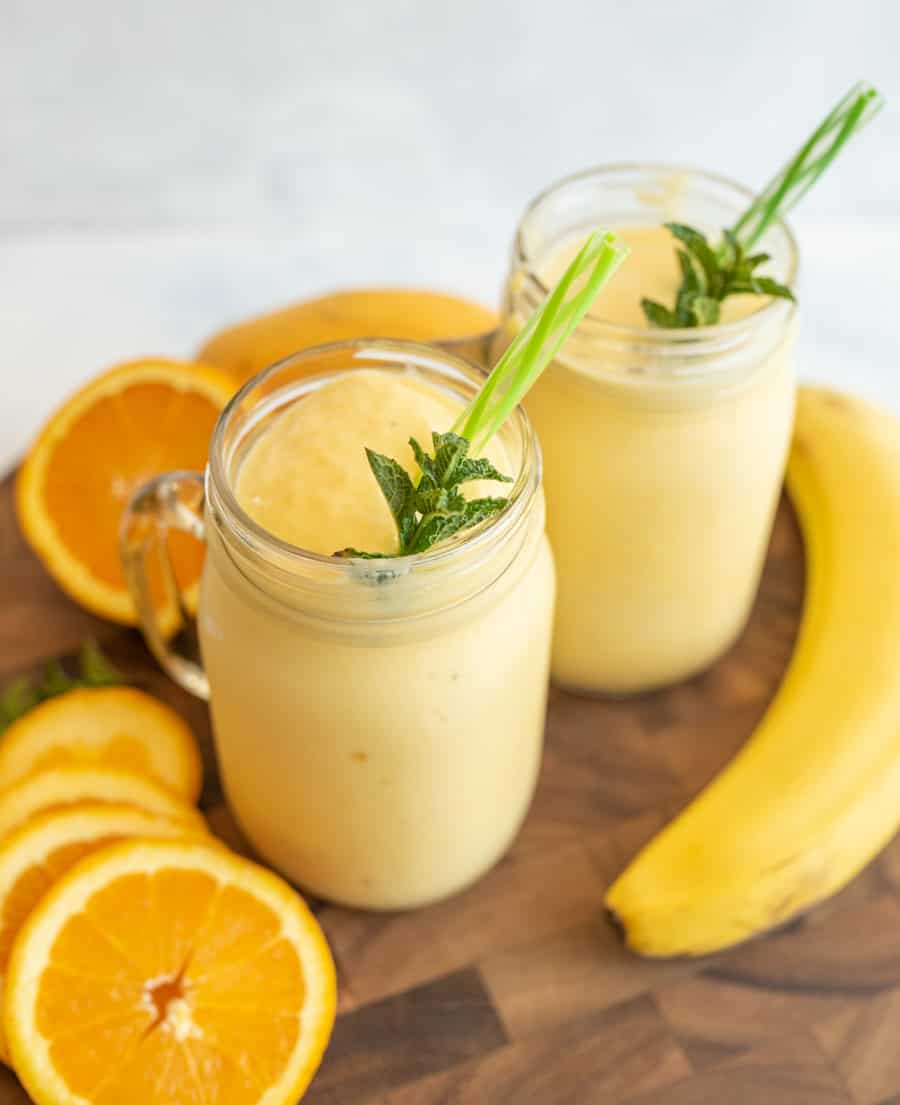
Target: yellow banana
(815,793)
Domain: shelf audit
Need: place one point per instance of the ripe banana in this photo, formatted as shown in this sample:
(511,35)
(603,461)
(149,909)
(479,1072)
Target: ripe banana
(815,793)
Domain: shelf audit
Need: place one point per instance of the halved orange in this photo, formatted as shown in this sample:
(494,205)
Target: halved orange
(39,853)
(108,727)
(58,787)
(169,971)
(131,423)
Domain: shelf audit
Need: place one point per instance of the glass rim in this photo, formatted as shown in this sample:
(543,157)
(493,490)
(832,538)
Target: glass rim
(394,353)
(681,336)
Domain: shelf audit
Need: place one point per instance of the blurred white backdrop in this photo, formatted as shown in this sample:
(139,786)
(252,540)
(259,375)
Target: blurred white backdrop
(169,166)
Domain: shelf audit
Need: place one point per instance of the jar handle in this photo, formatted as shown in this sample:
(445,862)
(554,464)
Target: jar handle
(172,502)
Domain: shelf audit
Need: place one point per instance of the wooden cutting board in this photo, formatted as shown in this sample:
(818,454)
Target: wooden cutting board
(518,991)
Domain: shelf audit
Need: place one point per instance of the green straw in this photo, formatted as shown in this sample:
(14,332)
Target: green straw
(541,338)
(848,117)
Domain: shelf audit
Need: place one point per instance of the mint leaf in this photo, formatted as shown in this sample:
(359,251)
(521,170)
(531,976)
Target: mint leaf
(699,248)
(398,491)
(426,465)
(765,285)
(55,681)
(730,250)
(449,450)
(755,260)
(693,280)
(704,311)
(96,670)
(438,527)
(23,694)
(658,315)
(355,554)
(479,510)
(16,699)
(438,500)
(480,469)
(394,481)
(434,528)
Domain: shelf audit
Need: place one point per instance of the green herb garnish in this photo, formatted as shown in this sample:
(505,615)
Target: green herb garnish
(435,509)
(431,508)
(709,274)
(22,695)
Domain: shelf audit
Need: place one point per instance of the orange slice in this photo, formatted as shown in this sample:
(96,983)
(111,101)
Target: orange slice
(169,971)
(105,726)
(58,787)
(35,856)
(133,422)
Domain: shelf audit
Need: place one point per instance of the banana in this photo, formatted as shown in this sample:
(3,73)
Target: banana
(815,793)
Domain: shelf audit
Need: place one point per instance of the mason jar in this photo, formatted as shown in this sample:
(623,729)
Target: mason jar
(378,723)
(664,450)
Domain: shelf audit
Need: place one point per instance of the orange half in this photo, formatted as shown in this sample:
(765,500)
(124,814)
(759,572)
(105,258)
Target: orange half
(169,971)
(133,422)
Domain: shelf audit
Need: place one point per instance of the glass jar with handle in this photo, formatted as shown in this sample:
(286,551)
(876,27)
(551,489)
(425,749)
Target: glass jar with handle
(378,724)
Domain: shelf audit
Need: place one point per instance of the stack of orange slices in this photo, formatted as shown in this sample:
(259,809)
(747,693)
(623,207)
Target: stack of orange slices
(140,960)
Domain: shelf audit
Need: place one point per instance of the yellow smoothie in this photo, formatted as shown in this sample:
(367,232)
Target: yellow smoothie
(307,480)
(380,731)
(663,466)
(652,272)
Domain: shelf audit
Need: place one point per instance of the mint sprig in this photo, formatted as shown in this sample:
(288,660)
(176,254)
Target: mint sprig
(431,508)
(709,274)
(434,509)
(22,695)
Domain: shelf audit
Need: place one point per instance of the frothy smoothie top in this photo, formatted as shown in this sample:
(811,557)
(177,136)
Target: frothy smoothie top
(652,271)
(307,479)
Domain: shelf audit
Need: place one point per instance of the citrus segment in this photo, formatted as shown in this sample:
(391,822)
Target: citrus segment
(117,727)
(131,423)
(87,1049)
(225,992)
(39,853)
(58,787)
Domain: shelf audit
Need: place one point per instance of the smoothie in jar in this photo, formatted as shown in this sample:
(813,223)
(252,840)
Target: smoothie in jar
(664,450)
(369,741)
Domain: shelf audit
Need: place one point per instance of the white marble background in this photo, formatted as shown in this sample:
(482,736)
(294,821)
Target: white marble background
(167,166)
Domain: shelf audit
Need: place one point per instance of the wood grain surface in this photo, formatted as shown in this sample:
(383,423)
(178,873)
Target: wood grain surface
(517,990)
